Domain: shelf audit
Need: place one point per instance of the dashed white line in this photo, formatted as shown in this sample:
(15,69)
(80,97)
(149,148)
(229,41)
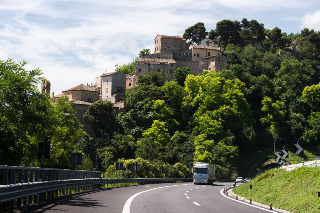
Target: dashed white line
(187,197)
(187,191)
(196,203)
(185,194)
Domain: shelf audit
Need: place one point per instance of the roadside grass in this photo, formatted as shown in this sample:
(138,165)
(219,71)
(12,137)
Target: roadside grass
(295,191)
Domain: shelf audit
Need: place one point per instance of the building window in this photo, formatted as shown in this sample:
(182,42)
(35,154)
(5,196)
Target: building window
(170,71)
(129,84)
(107,90)
(186,55)
(107,82)
(158,70)
(139,70)
(197,54)
(179,53)
(89,100)
(148,64)
(171,65)
(208,53)
(149,69)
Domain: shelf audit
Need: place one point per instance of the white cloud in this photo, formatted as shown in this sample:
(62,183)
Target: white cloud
(73,41)
(259,5)
(311,21)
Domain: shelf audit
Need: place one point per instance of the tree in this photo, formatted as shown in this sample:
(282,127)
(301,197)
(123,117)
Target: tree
(229,32)
(126,68)
(153,78)
(274,116)
(195,33)
(25,113)
(144,52)
(102,117)
(180,75)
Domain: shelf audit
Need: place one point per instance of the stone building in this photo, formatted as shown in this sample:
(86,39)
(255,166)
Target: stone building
(113,86)
(145,65)
(171,52)
(131,80)
(202,52)
(83,96)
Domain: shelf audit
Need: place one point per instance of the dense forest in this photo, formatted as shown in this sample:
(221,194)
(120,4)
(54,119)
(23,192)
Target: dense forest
(269,93)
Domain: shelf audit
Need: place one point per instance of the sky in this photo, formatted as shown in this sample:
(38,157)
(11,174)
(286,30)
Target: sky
(74,41)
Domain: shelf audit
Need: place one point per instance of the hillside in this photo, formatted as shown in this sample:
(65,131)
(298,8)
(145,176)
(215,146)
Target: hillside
(295,191)
(258,160)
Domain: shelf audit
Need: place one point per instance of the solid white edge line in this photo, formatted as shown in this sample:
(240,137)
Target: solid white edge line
(248,204)
(126,207)
(196,203)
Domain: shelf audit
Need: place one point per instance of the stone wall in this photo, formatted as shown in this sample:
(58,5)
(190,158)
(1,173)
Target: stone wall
(82,95)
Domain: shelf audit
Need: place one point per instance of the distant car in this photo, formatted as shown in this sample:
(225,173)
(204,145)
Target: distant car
(239,180)
(247,179)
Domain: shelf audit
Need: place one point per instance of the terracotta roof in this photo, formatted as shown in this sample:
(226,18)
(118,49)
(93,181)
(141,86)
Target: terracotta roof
(81,87)
(156,60)
(204,47)
(108,73)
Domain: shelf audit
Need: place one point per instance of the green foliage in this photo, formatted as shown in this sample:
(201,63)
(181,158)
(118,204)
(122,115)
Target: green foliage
(102,117)
(144,52)
(180,74)
(229,32)
(153,78)
(195,33)
(126,68)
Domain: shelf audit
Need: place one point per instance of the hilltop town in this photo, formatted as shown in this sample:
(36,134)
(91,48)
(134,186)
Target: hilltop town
(170,52)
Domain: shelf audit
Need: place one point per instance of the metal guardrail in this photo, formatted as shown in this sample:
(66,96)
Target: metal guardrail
(21,186)
(295,166)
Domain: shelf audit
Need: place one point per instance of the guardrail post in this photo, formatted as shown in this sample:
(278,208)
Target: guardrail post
(5,176)
(13,176)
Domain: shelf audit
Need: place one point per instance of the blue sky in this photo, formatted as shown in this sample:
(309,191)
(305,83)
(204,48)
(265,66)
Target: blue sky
(74,41)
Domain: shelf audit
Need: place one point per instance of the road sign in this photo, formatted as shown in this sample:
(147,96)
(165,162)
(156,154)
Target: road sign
(135,166)
(278,157)
(119,166)
(297,149)
(76,158)
(285,154)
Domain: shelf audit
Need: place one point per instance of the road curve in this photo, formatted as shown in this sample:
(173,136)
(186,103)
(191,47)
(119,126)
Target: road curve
(181,197)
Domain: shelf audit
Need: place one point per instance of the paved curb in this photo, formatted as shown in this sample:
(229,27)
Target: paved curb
(229,193)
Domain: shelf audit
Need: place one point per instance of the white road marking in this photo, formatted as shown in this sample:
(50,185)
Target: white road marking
(187,191)
(196,203)
(187,197)
(197,187)
(126,207)
(267,210)
(185,194)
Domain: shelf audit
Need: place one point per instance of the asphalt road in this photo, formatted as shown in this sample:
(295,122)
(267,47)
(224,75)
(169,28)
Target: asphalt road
(153,198)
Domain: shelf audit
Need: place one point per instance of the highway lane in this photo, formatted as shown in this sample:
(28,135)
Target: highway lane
(189,198)
(153,198)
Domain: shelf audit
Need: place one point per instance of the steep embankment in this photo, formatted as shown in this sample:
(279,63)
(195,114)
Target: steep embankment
(295,191)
